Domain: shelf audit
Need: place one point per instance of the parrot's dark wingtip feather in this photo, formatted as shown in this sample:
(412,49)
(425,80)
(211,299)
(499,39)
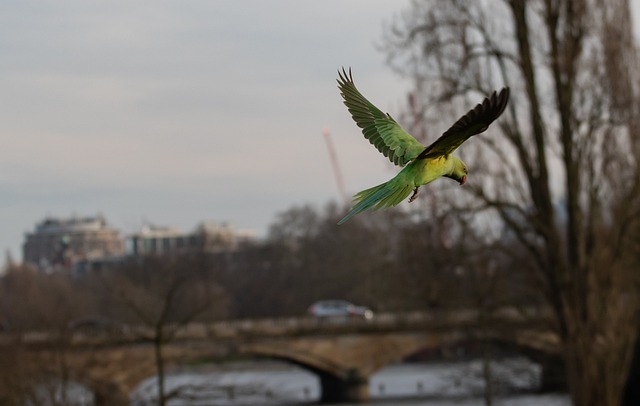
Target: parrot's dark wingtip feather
(344,77)
(503,99)
(496,103)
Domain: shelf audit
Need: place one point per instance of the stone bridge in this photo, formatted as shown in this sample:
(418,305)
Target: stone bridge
(342,353)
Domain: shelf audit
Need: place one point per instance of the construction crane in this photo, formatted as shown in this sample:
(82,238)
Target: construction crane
(334,162)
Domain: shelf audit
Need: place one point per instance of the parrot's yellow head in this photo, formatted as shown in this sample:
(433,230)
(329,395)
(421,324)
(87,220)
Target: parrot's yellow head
(459,172)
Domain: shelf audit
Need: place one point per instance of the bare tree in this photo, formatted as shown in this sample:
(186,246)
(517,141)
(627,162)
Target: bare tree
(165,294)
(390,260)
(562,174)
(33,301)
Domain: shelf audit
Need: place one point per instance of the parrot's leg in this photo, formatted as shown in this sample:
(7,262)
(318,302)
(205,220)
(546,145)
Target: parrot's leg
(414,196)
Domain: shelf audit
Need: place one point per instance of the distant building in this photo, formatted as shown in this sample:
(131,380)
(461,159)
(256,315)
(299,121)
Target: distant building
(97,265)
(208,237)
(62,242)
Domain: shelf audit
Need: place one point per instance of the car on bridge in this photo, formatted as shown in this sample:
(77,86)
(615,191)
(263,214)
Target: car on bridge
(339,308)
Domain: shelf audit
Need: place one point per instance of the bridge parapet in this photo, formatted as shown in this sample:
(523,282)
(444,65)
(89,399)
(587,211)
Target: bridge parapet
(505,322)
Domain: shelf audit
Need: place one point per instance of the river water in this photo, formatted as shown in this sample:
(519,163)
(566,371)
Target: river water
(275,383)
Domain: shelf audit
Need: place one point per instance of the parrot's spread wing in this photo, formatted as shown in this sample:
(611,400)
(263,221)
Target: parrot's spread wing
(379,128)
(474,122)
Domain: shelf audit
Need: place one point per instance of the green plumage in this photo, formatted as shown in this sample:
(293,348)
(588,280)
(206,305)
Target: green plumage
(379,128)
(385,195)
(423,164)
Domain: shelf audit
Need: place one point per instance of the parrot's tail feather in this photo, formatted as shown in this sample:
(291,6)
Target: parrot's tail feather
(385,195)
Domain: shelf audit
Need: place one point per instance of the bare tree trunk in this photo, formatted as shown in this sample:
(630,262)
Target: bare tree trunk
(538,175)
(597,379)
(487,375)
(158,343)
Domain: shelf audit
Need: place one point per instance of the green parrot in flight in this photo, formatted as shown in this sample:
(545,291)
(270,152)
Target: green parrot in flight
(423,164)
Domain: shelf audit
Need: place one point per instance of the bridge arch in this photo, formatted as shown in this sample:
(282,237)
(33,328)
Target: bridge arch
(344,363)
(336,384)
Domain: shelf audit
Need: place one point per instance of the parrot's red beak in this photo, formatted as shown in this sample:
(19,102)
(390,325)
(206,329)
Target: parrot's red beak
(463,180)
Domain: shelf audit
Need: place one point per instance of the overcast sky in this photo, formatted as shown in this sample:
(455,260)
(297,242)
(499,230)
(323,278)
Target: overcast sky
(176,112)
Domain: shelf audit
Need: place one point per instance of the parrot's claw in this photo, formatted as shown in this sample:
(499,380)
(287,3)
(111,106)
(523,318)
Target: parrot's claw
(414,196)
